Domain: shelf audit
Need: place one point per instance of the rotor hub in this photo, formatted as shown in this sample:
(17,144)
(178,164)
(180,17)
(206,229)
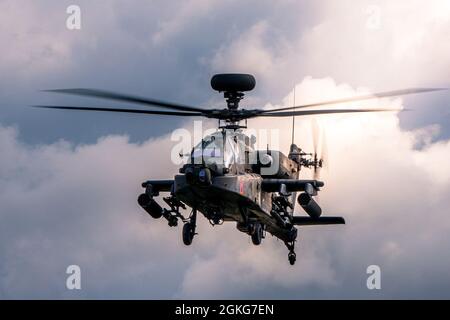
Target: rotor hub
(233,98)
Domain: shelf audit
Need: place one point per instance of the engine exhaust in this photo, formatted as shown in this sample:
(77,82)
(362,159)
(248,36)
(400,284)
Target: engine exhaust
(309,205)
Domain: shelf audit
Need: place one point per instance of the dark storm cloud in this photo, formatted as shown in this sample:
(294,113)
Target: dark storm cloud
(170,50)
(69,218)
(151,48)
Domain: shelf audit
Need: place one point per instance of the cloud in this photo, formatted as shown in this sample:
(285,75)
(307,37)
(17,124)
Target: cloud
(248,53)
(178,19)
(63,204)
(29,47)
(170,51)
(381,45)
(67,204)
(405,39)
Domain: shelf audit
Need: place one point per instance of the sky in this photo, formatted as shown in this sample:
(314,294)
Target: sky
(69,181)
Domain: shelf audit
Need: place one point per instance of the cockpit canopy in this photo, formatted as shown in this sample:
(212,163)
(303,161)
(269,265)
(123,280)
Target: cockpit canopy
(230,151)
(223,151)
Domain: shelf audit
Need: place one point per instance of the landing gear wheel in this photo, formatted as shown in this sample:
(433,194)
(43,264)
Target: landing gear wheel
(189,228)
(257,234)
(292,257)
(188,233)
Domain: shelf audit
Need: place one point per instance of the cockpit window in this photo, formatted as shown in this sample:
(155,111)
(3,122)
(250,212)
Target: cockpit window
(209,150)
(221,150)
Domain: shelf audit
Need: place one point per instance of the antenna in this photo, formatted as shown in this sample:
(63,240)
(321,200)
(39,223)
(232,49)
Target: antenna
(293,119)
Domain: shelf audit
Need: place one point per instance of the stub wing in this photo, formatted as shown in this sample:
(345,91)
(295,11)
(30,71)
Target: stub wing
(308,221)
(158,185)
(274,185)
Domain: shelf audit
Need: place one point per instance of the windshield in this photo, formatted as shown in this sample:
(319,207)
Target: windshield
(209,150)
(225,149)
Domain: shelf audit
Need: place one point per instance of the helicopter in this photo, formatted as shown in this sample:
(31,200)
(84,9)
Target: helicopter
(226,179)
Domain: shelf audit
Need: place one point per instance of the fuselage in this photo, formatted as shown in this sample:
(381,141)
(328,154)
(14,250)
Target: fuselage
(237,198)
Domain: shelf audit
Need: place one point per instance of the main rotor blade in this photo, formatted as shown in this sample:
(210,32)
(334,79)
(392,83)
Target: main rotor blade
(158,112)
(364,97)
(323,111)
(126,98)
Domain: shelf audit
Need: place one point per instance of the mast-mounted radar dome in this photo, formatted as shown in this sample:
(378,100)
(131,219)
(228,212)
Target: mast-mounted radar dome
(233,82)
(233,86)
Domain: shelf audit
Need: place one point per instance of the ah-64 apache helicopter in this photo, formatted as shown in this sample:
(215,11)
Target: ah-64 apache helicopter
(226,179)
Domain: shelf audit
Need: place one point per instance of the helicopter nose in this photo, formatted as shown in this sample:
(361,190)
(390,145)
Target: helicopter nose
(200,176)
